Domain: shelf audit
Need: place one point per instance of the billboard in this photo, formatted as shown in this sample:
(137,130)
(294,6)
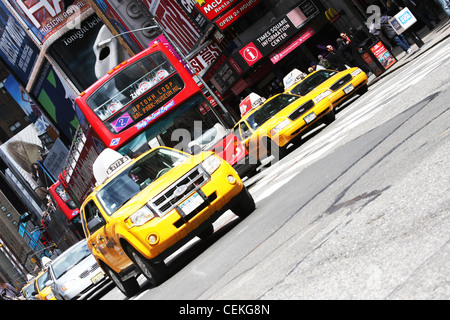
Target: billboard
(175,22)
(23,152)
(17,50)
(45,17)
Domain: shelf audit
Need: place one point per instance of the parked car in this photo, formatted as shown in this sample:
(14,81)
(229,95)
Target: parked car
(268,129)
(75,273)
(341,84)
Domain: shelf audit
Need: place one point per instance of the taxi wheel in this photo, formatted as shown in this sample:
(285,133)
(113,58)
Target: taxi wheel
(156,273)
(128,287)
(244,205)
(330,117)
(207,232)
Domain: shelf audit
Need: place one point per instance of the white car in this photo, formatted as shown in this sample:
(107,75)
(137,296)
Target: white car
(75,274)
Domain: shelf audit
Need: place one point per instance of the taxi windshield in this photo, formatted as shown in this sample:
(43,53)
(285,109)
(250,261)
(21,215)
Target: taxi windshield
(312,82)
(129,84)
(269,109)
(138,176)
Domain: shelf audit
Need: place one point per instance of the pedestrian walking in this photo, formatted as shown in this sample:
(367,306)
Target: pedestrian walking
(390,33)
(8,292)
(352,47)
(344,51)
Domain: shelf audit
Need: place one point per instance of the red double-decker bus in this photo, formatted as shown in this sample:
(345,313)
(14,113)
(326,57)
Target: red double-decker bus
(152,100)
(145,100)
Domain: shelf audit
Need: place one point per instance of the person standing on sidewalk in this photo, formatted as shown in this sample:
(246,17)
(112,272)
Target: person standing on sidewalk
(399,39)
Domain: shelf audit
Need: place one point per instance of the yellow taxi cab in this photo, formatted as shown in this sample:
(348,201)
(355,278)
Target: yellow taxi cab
(267,130)
(42,292)
(28,291)
(341,84)
(144,209)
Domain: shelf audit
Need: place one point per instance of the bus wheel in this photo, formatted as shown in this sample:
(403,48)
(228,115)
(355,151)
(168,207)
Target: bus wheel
(128,287)
(244,205)
(156,273)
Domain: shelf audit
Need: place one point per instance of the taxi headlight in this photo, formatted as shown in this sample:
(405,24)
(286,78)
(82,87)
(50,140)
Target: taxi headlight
(356,72)
(142,216)
(322,96)
(283,124)
(211,164)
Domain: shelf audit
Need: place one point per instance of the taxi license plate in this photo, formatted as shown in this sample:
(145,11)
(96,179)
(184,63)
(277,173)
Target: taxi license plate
(310,117)
(349,88)
(96,279)
(191,204)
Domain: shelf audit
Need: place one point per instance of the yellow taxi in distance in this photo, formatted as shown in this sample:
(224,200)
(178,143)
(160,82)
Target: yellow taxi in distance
(41,291)
(268,129)
(340,84)
(144,209)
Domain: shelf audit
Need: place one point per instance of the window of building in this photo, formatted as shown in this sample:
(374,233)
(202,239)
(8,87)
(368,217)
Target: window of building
(15,126)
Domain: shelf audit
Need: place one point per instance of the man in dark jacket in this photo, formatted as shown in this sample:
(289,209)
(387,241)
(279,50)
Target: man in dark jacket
(337,61)
(390,33)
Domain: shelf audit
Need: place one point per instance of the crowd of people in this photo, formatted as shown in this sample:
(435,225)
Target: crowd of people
(344,53)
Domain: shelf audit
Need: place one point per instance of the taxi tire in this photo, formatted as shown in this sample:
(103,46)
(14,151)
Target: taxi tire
(207,232)
(330,117)
(129,287)
(156,273)
(244,205)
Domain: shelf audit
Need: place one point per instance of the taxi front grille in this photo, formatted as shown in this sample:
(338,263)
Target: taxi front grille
(301,110)
(338,84)
(179,191)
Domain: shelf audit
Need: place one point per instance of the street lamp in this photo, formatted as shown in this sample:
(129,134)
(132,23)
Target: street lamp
(106,41)
(186,61)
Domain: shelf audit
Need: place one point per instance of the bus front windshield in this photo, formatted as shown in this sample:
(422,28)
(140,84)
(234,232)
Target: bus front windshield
(129,84)
(191,123)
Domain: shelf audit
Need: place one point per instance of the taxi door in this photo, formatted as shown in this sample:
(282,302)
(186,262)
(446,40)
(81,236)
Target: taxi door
(100,238)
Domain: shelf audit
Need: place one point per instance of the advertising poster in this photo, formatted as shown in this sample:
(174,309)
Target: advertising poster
(26,103)
(74,52)
(383,55)
(57,99)
(17,50)
(23,152)
(45,17)
(175,22)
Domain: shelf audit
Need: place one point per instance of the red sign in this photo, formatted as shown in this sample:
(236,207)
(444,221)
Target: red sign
(250,54)
(383,55)
(234,14)
(213,8)
(292,45)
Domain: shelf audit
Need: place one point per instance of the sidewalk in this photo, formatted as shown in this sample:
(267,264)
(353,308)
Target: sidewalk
(430,39)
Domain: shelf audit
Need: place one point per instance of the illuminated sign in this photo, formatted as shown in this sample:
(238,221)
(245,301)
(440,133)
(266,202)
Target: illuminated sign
(147,103)
(213,8)
(234,14)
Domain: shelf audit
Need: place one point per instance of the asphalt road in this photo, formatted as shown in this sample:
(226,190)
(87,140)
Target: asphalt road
(360,210)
